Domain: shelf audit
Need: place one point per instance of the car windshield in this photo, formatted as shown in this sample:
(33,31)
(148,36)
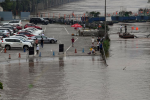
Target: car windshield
(22,39)
(15,21)
(44,36)
(41,18)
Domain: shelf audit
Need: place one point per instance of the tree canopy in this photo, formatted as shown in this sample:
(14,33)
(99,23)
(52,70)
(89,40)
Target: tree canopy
(18,6)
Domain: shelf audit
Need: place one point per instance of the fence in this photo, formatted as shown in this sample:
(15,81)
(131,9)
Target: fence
(25,15)
(6,15)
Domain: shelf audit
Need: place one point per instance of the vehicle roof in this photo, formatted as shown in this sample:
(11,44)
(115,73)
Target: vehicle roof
(7,26)
(10,38)
(3,28)
(23,32)
(2,33)
(15,20)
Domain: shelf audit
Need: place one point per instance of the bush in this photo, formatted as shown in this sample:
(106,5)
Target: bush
(106,44)
(1,85)
(103,27)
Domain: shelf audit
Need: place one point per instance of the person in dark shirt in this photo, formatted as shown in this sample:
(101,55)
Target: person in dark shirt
(125,28)
(72,42)
(42,41)
(98,39)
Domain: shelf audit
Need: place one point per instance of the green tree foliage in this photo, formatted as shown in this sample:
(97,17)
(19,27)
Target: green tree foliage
(1,85)
(94,13)
(18,6)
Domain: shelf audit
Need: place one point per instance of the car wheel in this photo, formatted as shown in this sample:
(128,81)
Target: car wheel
(7,47)
(52,41)
(26,47)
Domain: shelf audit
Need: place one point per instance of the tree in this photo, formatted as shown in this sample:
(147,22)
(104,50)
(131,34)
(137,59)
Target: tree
(94,13)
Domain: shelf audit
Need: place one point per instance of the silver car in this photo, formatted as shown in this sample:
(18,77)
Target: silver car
(34,31)
(45,38)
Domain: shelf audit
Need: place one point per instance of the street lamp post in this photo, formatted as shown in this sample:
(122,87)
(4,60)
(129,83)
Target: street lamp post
(105,17)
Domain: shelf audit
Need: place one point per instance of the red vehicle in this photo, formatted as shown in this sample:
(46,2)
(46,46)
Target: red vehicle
(26,33)
(19,27)
(32,25)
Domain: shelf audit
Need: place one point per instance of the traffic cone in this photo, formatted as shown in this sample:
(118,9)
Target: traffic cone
(53,53)
(9,57)
(5,50)
(19,55)
(75,50)
(40,54)
(83,50)
(24,50)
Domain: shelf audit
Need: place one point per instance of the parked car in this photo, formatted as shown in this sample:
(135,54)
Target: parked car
(14,22)
(37,20)
(34,31)
(3,35)
(45,38)
(5,31)
(21,35)
(26,33)
(14,28)
(50,20)
(18,27)
(9,43)
(32,25)
(23,38)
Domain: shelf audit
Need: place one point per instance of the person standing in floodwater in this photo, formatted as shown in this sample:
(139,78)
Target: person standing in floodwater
(121,29)
(72,41)
(92,40)
(125,28)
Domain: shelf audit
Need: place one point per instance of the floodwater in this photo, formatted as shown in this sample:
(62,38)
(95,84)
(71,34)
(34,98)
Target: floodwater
(126,77)
(82,6)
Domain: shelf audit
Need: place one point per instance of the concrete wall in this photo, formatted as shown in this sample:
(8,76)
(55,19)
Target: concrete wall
(6,15)
(25,15)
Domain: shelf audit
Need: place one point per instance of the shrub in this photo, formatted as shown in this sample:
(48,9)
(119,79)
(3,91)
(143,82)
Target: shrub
(1,85)
(106,44)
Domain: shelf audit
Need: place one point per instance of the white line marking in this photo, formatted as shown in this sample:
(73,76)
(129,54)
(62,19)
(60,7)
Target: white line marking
(60,41)
(71,45)
(45,29)
(66,30)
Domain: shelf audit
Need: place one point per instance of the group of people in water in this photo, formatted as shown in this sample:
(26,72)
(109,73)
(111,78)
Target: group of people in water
(125,33)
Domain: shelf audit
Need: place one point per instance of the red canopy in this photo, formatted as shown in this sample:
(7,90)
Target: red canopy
(76,25)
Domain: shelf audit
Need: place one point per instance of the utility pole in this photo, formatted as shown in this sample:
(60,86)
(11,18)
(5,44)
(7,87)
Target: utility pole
(105,17)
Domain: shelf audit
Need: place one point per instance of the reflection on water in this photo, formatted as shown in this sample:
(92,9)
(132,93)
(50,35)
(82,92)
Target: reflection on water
(61,62)
(78,78)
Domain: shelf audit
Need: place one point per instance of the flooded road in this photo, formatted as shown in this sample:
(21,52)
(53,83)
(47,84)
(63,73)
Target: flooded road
(126,77)
(82,6)
(82,78)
